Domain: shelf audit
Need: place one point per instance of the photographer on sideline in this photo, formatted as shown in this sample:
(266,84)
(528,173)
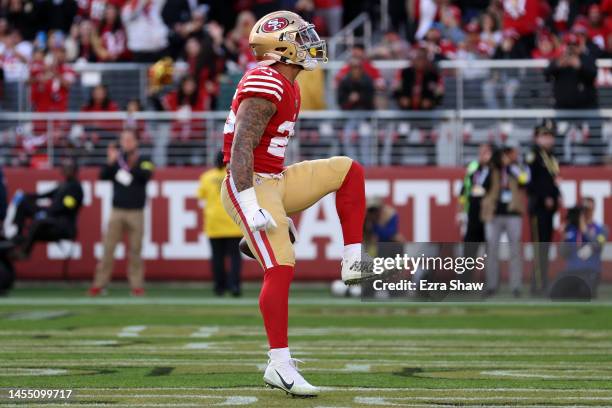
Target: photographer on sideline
(502,211)
(52,222)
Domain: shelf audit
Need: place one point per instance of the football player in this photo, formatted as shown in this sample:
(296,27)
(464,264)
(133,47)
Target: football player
(259,192)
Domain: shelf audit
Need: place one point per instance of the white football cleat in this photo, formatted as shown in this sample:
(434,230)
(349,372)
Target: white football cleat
(357,269)
(284,375)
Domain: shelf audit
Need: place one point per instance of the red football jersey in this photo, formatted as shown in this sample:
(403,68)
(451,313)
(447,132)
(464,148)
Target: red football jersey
(267,83)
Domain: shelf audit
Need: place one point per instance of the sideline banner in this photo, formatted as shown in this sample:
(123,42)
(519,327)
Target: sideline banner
(175,249)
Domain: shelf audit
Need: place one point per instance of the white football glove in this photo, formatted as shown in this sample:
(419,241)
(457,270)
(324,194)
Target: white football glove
(257,218)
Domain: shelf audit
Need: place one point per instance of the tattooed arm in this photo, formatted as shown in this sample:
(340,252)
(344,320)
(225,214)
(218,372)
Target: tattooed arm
(251,120)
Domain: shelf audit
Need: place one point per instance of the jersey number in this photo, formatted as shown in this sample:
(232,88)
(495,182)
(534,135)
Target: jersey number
(278,144)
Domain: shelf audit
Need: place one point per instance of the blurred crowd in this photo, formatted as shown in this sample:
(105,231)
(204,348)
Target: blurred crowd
(193,47)
(39,40)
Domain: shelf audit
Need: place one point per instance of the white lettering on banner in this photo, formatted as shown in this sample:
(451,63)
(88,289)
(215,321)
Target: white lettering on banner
(311,227)
(317,222)
(599,190)
(150,250)
(378,188)
(568,192)
(179,220)
(421,192)
(457,185)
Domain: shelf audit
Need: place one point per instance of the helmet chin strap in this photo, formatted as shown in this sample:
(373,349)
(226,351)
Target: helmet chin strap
(308,64)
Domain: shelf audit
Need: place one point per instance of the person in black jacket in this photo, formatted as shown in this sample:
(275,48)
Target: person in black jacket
(356,92)
(573,76)
(130,174)
(420,87)
(544,201)
(49,223)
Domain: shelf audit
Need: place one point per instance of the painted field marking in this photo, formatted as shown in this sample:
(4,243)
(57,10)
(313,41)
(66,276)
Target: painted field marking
(197,346)
(587,365)
(359,389)
(154,350)
(205,331)
(26,372)
(38,315)
(102,404)
(563,374)
(361,368)
(95,343)
(238,400)
(131,331)
(387,400)
(362,331)
(226,400)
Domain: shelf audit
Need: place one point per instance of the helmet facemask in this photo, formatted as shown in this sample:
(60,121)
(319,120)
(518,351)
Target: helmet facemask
(310,48)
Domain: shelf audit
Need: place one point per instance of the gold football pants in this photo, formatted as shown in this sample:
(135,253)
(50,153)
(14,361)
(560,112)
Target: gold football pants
(298,187)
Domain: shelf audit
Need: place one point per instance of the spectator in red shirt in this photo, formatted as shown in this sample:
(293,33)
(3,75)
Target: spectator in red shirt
(185,100)
(522,16)
(37,88)
(358,55)
(237,41)
(473,47)
(581,30)
(206,60)
(547,46)
(596,29)
(391,47)
(330,11)
(99,101)
(52,82)
(113,40)
(438,48)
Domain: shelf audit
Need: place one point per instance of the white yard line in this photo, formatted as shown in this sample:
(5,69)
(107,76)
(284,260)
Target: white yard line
(78,362)
(131,331)
(304,352)
(360,389)
(205,331)
(178,301)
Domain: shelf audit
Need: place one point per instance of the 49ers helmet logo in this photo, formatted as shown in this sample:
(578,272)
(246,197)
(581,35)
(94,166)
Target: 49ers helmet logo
(274,24)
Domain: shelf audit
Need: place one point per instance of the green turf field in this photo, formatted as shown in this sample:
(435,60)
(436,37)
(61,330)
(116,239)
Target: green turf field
(183,348)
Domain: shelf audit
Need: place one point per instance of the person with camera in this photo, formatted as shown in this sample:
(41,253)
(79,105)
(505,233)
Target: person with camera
(130,173)
(502,210)
(573,76)
(582,248)
(52,222)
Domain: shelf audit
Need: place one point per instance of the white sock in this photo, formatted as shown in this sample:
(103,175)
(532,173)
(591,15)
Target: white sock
(352,251)
(280,354)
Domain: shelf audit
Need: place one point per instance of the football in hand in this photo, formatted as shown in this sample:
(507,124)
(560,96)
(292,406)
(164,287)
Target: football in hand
(244,247)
